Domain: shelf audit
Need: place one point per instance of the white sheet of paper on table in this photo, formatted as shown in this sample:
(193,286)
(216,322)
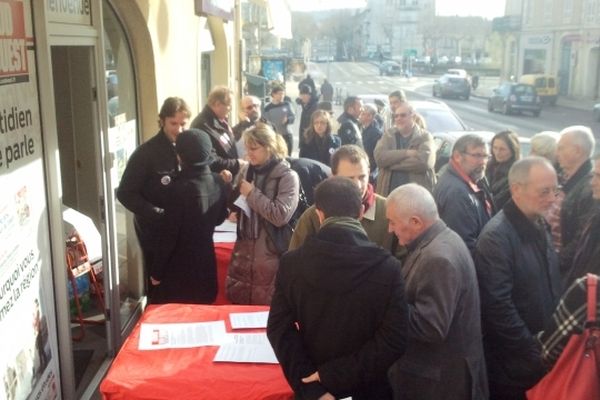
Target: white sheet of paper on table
(247,348)
(182,335)
(249,320)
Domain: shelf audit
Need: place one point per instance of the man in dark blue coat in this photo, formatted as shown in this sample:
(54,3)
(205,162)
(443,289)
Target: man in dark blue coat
(338,316)
(519,281)
(462,194)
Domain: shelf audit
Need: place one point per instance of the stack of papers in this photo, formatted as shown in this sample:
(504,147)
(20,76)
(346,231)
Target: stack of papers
(234,347)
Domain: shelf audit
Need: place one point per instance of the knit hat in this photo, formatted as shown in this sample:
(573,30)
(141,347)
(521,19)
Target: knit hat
(194,148)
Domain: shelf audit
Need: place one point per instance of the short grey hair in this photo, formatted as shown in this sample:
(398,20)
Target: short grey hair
(582,137)
(415,200)
(470,139)
(370,108)
(519,172)
(544,144)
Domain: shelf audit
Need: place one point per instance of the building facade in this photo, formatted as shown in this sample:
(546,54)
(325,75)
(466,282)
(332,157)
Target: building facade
(560,38)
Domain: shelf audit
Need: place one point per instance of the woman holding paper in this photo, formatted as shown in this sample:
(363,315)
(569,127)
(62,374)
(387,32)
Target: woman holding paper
(269,192)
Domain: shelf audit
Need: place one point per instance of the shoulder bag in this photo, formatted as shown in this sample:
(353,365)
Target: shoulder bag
(575,375)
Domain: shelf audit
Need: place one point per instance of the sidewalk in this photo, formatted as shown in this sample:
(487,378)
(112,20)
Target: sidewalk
(487,83)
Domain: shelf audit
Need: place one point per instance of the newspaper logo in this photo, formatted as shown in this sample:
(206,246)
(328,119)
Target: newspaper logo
(13,43)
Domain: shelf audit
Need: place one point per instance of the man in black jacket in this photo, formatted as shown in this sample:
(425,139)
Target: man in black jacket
(147,180)
(213,121)
(280,113)
(350,131)
(519,282)
(308,100)
(338,316)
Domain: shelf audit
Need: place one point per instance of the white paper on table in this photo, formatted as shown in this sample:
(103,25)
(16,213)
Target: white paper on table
(182,335)
(249,320)
(247,347)
(243,205)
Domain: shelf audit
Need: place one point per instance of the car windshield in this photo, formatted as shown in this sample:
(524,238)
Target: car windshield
(441,120)
(523,89)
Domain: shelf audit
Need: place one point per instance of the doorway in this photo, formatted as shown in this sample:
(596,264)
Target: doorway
(79,145)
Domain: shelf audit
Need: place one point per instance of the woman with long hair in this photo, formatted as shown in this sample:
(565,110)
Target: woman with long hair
(505,151)
(269,192)
(319,141)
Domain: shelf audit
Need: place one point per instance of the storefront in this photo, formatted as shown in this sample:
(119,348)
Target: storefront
(81,82)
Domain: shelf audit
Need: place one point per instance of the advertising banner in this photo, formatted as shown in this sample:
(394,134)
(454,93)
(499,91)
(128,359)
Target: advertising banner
(28,349)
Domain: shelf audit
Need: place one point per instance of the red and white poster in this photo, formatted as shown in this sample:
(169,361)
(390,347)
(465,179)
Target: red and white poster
(28,349)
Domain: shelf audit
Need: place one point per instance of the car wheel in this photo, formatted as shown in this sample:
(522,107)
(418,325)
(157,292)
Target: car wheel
(537,113)
(506,109)
(433,93)
(490,107)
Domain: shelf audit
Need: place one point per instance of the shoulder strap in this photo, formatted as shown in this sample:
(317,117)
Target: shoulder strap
(592,285)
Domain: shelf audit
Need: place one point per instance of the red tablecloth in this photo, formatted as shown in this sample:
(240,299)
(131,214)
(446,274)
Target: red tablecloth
(189,373)
(223,252)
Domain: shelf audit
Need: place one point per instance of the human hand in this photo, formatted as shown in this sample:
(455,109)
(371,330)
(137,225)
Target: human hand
(327,396)
(246,187)
(226,175)
(154,282)
(312,378)
(242,116)
(232,217)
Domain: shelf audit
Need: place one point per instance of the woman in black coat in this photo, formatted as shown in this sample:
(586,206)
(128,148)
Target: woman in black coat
(185,267)
(318,141)
(505,151)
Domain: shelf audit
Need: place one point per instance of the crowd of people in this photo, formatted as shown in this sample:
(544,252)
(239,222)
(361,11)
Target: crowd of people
(386,279)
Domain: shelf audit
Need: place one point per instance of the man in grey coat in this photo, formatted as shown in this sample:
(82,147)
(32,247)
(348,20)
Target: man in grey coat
(444,353)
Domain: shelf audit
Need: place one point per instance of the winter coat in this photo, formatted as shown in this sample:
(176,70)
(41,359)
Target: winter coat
(320,149)
(350,131)
(461,208)
(254,262)
(346,295)
(276,113)
(373,222)
(307,111)
(221,137)
(444,354)
(185,262)
(145,188)
(419,168)
(574,213)
(311,173)
(519,282)
(497,176)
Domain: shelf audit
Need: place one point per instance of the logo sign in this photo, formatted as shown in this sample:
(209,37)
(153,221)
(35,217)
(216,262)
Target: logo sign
(13,44)
(70,11)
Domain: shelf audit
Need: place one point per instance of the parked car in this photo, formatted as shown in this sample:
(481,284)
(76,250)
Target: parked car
(438,116)
(458,72)
(512,97)
(390,68)
(452,86)
(596,112)
(545,85)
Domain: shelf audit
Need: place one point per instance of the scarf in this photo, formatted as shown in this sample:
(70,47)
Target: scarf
(369,197)
(345,222)
(489,208)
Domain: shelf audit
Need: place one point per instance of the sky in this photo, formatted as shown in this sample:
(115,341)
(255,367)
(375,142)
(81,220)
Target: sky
(488,9)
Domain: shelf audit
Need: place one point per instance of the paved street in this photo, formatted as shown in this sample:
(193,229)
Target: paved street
(363,78)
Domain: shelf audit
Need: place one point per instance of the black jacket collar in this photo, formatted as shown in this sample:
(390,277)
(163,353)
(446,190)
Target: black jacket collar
(527,230)
(583,170)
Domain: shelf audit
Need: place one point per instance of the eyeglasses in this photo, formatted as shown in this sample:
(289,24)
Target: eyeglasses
(252,106)
(549,191)
(402,115)
(477,155)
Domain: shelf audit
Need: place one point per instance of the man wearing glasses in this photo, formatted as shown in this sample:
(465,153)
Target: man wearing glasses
(405,154)
(462,194)
(519,281)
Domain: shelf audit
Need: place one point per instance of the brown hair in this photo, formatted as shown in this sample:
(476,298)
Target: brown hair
(171,106)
